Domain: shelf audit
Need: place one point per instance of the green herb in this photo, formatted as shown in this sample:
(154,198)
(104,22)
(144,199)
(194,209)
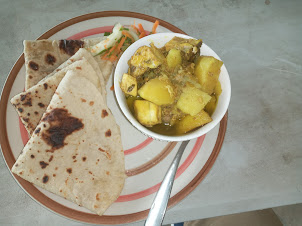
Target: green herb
(105,50)
(107,33)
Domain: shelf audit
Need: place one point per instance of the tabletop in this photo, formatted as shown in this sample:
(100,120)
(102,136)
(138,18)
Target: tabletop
(260,162)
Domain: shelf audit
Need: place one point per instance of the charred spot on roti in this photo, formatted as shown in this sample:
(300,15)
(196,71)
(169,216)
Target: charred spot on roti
(45,86)
(25,119)
(50,59)
(69,170)
(28,114)
(61,124)
(44,125)
(20,110)
(23,96)
(107,172)
(84,159)
(83,100)
(54,175)
(56,168)
(50,159)
(32,156)
(45,179)
(74,157)
(36,113)
(104,113)
(97,197)
(34,66)
(30,77)
(37,130)
(90,172)
(27,102)
(91,103)
(108,133)
(21,173)
(79,68)
(36,91)
(70,47)
(41,105)
(60,190)
(16,165)
(75,161)
(43,164)
(107,154)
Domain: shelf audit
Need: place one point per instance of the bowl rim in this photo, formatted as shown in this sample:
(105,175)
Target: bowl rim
(125,110)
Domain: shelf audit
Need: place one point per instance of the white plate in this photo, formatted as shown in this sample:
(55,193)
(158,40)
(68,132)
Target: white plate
(146,160)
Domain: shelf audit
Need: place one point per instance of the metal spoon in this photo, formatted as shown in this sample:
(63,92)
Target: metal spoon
(159,205)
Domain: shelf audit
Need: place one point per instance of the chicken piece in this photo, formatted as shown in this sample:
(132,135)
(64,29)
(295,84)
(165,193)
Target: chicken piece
(189,47)
(143,59)
(129,85)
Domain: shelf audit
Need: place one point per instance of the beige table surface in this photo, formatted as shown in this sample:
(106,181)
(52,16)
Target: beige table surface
(260,163)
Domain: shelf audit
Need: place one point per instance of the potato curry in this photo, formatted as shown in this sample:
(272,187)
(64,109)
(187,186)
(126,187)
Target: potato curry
(172,90)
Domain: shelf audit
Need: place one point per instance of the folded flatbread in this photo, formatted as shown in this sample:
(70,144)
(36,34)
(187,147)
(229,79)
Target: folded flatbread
(76,149)
(31,104)
(92,61)
(42,57)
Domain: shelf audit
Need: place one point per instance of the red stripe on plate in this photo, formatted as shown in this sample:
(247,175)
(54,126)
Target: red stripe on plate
(23,132)
(181,169)
(138,147)
(93,31)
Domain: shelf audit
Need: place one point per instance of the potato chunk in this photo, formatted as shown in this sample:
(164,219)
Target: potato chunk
(189,122)
(129,85)
(147,113)
(174,58)
(207,71)
(143,59)
(192,100)
(210,107)
(159,91)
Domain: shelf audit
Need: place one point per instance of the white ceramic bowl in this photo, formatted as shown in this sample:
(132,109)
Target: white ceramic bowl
(160,40)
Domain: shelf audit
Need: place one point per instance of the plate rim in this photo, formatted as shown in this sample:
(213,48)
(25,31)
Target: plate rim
(52,205)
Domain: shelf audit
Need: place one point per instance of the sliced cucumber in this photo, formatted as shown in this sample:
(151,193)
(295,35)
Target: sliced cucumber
(108,42)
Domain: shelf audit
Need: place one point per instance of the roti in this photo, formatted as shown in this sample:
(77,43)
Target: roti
(31,104)
(42,57)
(76,150)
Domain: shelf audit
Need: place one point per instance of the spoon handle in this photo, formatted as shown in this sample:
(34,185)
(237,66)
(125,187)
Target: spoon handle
(159,205)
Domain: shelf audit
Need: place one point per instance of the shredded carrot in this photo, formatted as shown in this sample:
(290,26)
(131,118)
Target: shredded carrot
(143,34)
(119,46)
(112,88)
(104,57)
(135,28)
(140,28)
(155,26)
(112,58)
(128,35)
